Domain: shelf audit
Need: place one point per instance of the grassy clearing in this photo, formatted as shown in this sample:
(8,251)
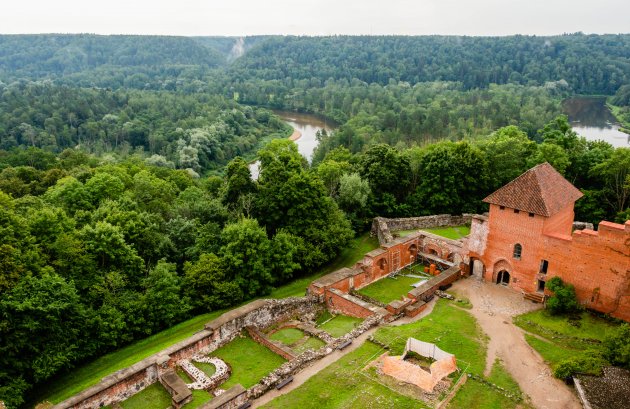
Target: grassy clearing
(182,374)
(343,385)
(477,395)
(452,329)
(249,361)
(287,336)
(453,233)
(388,289)
(311,343)
(152,397)
(199,398)
(563,338)
(207,368)
(340,325)
(66,385)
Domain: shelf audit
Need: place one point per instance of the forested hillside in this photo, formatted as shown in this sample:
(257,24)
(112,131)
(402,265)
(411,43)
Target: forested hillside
(155,62)
(126,204)
(590,64)
(196,131)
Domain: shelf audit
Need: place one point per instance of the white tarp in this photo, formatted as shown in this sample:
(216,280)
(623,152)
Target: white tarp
(425,349)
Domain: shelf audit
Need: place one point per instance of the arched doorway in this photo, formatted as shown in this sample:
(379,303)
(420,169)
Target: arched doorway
(476,268)
(413,252)
(503,277)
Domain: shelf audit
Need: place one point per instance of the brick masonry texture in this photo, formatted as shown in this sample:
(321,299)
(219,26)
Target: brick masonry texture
(597,263)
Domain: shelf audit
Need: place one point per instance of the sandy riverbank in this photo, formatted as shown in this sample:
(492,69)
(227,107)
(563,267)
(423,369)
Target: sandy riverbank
(295,135)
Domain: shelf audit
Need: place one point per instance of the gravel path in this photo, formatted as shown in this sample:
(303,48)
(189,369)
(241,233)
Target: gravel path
(493,307)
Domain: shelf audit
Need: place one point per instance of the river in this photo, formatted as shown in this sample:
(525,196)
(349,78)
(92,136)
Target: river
(307,126)
(591,118)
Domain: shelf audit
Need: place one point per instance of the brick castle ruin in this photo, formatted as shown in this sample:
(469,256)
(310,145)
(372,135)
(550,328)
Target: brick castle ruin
(526,238)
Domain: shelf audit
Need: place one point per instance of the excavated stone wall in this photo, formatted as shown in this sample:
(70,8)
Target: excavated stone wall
(258,314)
(383,227)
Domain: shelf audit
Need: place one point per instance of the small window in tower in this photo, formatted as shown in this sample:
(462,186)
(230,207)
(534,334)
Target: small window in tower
(516,211)
(531,215)
(502,207)
(518,249)
(544,264)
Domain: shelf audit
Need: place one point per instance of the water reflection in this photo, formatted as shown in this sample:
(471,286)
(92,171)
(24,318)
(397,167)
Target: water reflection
(307,125)
(591,118)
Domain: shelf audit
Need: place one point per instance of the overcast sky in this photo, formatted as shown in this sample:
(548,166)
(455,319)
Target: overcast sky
(315,17)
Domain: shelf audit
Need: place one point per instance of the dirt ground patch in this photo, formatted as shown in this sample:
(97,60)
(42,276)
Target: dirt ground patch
(493,307)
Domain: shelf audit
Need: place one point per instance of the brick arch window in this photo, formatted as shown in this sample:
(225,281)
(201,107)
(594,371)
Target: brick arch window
(518,249)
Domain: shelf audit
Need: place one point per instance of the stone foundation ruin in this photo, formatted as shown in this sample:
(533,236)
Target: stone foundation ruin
(397,367)
(332,292)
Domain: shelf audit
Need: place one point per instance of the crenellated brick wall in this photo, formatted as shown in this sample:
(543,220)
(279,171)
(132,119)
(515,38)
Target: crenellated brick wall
(597,263)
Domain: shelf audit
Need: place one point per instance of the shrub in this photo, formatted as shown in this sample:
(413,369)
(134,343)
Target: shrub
(590,365)
(617,346)
(563,299)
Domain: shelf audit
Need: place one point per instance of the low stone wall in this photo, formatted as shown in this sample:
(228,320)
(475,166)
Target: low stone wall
(383,227)
(347,304)
(304,359)
(230,399)
(258,314)
(281,350)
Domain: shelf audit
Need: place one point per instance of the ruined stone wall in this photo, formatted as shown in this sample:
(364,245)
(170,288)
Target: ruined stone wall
(115,388)
(349,305)
(258,314)
(284,352)
(383,227)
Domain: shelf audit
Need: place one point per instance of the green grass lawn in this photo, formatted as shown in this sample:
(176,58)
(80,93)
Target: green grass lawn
(453,233)
(207,368)
(343,385)
(388,289)
(152,397)
(564,339)
(199,398)
(340,325)
(452,329)
(477,395)
(66,385)
(287,336)
(249,361)
(311,343)
(182,374)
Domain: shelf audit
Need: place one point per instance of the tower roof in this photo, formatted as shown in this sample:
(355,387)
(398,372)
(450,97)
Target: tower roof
(540,190)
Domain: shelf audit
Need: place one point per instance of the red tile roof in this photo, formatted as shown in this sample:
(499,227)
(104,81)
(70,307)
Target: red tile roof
(540,190)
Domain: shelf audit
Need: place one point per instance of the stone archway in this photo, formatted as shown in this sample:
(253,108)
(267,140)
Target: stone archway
(433,249)
(382,264)
(503,277)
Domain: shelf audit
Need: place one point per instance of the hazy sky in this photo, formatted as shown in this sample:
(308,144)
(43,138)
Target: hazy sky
(315,17)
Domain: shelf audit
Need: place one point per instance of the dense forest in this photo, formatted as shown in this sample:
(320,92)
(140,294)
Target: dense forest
(127,203)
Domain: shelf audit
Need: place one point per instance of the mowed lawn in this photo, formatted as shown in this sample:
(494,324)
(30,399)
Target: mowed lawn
(453,233)
(344,385)
(388,289)
(249,361)
(66,385)
(555,335)
(152,397)
(456,331)
(340,325)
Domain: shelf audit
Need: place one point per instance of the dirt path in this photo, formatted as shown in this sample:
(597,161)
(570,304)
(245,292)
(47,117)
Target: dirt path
(323,363)
(493,307)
